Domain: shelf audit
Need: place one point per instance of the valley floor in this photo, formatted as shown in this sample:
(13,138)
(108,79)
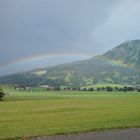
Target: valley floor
(25,114)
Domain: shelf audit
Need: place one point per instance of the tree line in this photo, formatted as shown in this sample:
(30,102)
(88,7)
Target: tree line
(111,89)
(107,88)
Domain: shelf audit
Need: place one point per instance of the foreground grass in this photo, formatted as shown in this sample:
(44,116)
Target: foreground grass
(48,113)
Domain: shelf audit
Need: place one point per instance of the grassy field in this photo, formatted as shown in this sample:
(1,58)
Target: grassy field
(105,85)
(24,114)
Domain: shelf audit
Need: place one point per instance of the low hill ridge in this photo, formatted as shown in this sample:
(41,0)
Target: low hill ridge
(88,72)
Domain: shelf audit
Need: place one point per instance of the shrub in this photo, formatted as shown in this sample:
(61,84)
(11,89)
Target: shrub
(1,93)
(138,90)
(91,89)
(130,88)
(103,88)
(109,89)
(98,88)
(116,88)
(125,89)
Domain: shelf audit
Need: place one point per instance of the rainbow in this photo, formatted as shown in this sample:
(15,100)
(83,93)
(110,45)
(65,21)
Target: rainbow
(46,55)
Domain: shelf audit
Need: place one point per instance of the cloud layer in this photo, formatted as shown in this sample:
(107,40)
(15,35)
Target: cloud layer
(33,27)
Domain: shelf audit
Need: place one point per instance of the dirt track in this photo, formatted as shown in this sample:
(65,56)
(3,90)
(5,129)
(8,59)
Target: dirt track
(125,134)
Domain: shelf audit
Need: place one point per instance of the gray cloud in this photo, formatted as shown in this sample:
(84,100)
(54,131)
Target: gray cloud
(31,27)
(122,25)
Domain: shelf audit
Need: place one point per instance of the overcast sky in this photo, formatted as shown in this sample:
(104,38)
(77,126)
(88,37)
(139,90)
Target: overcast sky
(42,33)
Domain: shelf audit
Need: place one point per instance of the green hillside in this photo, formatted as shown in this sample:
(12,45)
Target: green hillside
(127,53)
(113,67)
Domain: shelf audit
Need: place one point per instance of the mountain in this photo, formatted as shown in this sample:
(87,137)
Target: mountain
(116,66)
(127,53)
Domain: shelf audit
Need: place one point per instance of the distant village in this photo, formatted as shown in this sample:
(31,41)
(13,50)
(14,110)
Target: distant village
(74,88)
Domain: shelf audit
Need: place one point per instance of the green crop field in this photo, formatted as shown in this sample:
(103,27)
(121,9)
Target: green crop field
(24,114)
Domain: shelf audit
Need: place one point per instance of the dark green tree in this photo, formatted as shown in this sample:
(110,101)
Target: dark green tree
(98,89)
(116,88)
(91,89)
(125,89)
(138,90)
(109,89)
(1,93)
(103,88)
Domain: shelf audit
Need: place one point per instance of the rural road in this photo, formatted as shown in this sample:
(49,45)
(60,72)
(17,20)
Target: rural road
(125,134)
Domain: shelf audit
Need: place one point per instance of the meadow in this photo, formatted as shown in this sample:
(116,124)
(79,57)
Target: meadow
(38,113)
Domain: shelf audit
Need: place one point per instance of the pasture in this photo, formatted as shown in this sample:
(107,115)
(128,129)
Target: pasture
(38,113)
